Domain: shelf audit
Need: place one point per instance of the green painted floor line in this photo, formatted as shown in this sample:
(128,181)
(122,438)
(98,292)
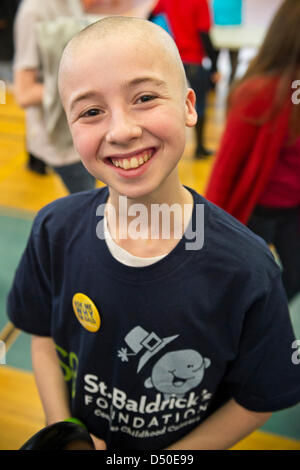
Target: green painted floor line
(15,213)
(14,233)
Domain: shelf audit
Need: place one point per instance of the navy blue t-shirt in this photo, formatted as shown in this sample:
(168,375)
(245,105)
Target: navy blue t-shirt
(149,353)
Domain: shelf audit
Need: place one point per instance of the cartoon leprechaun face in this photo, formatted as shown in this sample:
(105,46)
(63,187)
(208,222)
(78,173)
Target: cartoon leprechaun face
(177,372)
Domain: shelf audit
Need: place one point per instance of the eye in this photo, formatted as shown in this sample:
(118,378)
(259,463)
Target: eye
(91,112)
(146,98)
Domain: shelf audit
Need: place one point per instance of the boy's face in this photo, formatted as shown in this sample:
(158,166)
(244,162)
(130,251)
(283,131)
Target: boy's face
(127,109)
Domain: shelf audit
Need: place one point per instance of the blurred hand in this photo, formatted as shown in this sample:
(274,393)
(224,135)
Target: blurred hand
(216,77)
(98,443)
(3,24)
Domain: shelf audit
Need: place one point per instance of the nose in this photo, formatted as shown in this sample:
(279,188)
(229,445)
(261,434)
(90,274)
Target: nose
(122,128)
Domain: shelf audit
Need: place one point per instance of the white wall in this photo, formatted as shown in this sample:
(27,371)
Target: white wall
(260,12)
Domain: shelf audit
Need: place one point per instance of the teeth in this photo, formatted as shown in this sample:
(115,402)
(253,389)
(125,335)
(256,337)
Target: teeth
(133,162)
(126,164)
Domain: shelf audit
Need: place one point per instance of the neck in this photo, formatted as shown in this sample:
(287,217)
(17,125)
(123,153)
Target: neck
(160,216)
(171,192)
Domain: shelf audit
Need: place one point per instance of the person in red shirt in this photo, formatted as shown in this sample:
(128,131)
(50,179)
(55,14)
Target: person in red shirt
(256,175)
(190,23)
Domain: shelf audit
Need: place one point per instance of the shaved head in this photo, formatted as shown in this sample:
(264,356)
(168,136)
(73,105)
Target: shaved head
(141,32)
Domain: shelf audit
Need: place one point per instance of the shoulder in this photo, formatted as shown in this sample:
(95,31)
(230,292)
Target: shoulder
(64,215)
(234,250)
(29,8)
(254,95)
(28,14)
(42,11)
(256,84)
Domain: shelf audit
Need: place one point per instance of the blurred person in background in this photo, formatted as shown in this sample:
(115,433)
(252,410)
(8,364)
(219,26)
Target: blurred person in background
(30,76)
(190,23)
(228,13)
(8,10)
(29,93)
(256,175)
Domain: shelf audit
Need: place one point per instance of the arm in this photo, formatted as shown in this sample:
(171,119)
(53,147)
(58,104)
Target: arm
(238,140)
(246,153)
(27,90)
(51,384)
(224,428)
(49,379)
(209,50)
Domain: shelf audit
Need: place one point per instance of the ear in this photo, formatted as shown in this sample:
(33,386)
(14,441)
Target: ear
(190,111)
(207,362)
(148,383)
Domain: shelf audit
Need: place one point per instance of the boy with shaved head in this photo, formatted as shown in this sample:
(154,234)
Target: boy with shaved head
(154,335)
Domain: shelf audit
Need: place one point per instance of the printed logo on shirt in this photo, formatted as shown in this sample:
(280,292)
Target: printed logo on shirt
(166,398)
(175,373)
(86,312)
(169,397)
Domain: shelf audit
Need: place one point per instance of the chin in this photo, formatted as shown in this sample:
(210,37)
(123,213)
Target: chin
(135,194)
(134,191)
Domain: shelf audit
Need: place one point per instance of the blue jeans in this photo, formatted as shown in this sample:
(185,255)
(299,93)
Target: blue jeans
(281,228)
(75,177)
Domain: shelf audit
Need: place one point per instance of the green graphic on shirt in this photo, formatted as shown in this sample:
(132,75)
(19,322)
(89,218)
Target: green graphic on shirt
(69,366)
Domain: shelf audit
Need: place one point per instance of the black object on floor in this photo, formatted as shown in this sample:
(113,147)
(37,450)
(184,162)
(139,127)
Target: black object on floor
(202,153)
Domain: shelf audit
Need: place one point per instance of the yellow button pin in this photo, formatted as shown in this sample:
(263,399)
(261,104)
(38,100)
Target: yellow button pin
(86,312)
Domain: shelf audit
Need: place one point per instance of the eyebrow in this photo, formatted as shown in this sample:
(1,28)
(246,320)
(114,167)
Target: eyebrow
(82,97)
(139,80)
(131,84)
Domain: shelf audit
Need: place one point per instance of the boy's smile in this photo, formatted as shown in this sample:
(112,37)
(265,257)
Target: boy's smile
(127,106)
(131,161)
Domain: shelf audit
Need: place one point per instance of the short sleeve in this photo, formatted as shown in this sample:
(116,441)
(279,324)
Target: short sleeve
(26,49)
(29,300)
(264,377)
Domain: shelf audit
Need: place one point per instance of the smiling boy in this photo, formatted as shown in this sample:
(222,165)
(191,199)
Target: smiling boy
(130,131)
(122,316)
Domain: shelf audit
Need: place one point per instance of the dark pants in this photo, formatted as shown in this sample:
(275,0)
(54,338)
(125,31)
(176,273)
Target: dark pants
(75,177)
(281,228)
(233,59)
(199,80)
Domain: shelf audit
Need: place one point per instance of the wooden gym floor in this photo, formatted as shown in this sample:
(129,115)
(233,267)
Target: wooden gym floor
(22,193)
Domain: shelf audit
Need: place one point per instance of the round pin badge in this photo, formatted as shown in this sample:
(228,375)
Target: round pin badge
(86,312)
